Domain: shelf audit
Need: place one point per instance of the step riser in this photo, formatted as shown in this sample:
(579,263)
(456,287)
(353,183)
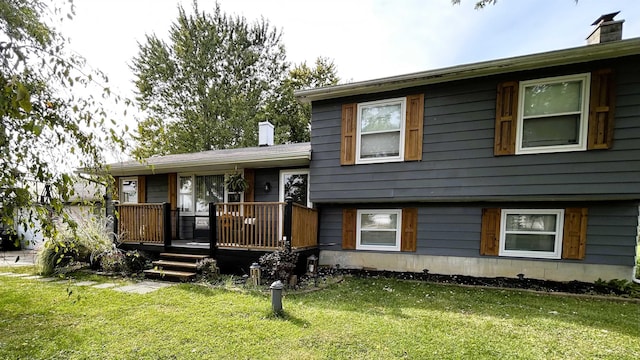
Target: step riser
(182,257)
(183,264)
(169,276)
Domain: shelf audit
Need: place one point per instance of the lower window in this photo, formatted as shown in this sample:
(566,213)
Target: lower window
(535,233)
(378,229)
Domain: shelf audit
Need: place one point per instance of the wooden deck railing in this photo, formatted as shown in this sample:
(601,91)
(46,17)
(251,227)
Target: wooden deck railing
(140,223)
(249,224)
(304,227)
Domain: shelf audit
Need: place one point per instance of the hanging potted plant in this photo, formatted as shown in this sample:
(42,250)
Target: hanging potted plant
(235,183)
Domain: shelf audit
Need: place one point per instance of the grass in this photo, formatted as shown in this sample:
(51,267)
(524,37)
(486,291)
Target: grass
(355,319)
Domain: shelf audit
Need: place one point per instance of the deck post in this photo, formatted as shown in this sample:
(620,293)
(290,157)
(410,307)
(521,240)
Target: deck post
(213,231)
(288,215)
(166,224)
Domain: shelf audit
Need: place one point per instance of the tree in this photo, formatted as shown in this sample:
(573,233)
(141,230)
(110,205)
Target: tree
(290,117)
(479,4)
(47,127)
(208,86)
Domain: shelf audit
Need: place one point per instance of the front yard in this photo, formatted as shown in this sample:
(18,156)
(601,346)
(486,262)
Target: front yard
(354,319)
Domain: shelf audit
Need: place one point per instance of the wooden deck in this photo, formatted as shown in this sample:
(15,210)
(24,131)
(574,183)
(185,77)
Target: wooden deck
(257,226)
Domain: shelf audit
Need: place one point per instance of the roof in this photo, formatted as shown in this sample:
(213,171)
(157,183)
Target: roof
(215,160)
(575,55)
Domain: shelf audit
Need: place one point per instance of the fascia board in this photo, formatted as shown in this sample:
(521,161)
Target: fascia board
(467,71)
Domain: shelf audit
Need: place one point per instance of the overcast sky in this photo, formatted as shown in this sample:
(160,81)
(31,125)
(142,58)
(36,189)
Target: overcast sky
(367,39)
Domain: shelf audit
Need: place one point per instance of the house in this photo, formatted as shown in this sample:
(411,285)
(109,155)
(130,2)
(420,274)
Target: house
(181,203)
(526,165)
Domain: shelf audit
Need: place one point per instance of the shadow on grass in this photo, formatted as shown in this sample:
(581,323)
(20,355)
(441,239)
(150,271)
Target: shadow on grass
(287,317)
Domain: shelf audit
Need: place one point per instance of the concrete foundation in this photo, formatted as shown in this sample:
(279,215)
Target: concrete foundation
(480,267)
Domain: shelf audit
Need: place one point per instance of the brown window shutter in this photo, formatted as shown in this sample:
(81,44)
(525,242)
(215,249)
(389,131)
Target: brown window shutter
(116,188)
(348,142)
(142,189)
(490,233)
(601,110)
(574,238)
(349,229)
(172,180)
(409,236)
(414,128)
(250,177)
(506,118)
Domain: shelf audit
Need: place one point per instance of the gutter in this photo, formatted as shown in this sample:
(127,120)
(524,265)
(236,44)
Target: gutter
(266,158)
(468,71)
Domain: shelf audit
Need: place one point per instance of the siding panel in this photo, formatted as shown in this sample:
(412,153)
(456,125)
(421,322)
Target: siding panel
(458,161)
(157,188)
(454,229)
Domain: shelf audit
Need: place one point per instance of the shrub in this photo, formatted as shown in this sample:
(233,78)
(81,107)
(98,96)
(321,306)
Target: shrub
(208,269)
(279,265)
(57,252)
(126,263)
(70,246)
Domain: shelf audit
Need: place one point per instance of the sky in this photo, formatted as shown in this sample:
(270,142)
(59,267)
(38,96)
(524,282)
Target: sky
(366,39)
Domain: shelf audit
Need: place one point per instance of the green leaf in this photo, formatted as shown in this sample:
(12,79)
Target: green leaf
(24,98)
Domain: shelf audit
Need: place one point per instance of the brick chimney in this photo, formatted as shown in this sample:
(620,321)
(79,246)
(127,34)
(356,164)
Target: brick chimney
(265,133)
(607,29)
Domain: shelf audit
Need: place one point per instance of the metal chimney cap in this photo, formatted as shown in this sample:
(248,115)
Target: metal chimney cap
(606,18)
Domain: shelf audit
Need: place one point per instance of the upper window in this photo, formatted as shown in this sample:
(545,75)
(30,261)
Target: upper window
(553,114)
(531,233)
(378,229)
(380,131)
(129,190)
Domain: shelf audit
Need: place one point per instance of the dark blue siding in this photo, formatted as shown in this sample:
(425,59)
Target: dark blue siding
(263,176)
(454,229)
(157,188)
(458,162)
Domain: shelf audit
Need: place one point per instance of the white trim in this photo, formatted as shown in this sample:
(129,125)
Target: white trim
(585,78)
(359,229)
(283,173)
(556,254)
(121,192)
(298,154)
(581,54)
(403,119)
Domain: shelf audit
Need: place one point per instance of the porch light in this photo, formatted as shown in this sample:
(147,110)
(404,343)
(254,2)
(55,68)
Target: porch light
(254,271)
(312,264)
(267,186)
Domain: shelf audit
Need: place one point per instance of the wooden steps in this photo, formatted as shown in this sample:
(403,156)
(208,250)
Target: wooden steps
(175,267)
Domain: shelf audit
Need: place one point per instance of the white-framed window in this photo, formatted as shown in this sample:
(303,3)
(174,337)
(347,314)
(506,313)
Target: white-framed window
(378,229)
(534,233)
(196,191)
(553,114)
(129,190)
(295,183)
(380,131)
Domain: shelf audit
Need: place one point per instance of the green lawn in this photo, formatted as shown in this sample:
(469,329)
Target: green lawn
(354,319)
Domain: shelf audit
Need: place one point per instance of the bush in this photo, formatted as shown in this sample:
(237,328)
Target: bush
(57,252)
(279,265)
(126,263)
(208,269)
(70,246)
